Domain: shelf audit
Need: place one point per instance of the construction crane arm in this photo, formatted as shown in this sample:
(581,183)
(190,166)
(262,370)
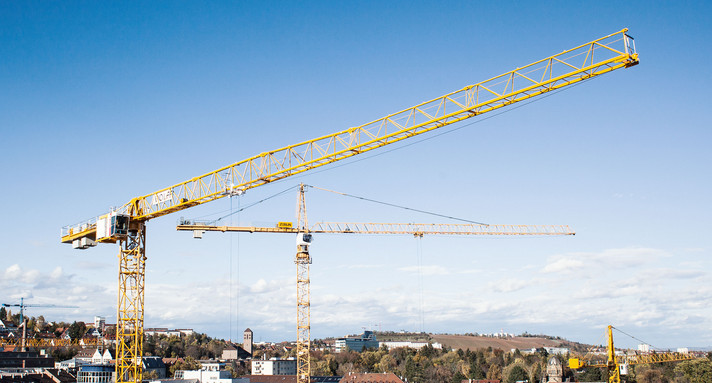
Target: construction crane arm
(571,66)
(614,362)
(417,229)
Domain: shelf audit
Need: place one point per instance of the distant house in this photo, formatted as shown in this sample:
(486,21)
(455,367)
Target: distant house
(93,332)
(65,335)
(154,363)
(102,357)
(6,324)
(70,363)
(234,352)
(86,355)
(166,332)
(7,328)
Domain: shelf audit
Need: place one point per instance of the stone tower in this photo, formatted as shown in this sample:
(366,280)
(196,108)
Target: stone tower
(247,341)
(554,370)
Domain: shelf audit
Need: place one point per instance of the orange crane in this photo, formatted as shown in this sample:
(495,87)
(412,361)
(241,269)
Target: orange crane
(127,223)
(303,259)
(617,365)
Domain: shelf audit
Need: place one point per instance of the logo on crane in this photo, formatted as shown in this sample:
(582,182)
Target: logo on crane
(163,196)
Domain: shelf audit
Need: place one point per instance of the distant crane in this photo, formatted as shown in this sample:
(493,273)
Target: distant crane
(303,259)
(617,365)
(127,223)
(22,306)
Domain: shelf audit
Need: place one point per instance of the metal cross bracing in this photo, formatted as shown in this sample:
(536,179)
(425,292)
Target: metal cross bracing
(129,327)
(23,341)
(303,260)
(571,66)
(417,229)
(616,365)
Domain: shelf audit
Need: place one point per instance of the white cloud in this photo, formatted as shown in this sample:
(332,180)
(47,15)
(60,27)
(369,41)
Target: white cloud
(13,272)
(591,263)
(564,265)
(428,270)
(509,285)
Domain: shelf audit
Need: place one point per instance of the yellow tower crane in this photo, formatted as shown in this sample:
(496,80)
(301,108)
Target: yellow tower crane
(127,224)
(617,365)
(303,259)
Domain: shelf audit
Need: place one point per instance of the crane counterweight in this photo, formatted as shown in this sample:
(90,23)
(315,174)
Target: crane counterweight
(612,52)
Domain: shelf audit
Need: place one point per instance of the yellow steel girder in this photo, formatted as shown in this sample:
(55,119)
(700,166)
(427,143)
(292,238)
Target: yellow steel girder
(571,66)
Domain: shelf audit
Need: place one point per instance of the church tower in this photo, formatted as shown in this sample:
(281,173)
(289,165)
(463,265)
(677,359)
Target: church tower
(247,341)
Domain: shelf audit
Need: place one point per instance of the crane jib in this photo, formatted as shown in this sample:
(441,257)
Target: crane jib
(612,52)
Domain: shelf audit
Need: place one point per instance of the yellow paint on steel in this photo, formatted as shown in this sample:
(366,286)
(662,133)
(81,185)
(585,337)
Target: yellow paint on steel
(558,71)
(612,52)
(398,228)
(130,308)
(613,362)
(49,343)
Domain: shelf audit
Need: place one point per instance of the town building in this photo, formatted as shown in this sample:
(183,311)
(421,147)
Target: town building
(554,370)
(27,359)
(234,352)
(69,364)
(274,366)
(48,375)
(154,365)
(209,373)
(96,373)
(247,340)
(166,332)
(357,343)
(100,357)
(290,379)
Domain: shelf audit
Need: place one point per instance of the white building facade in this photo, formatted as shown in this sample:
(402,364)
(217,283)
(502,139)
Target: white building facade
(275,366)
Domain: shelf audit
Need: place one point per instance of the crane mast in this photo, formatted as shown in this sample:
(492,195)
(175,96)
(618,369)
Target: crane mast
(126,224)
(616,365)
(303,260)
(23,341)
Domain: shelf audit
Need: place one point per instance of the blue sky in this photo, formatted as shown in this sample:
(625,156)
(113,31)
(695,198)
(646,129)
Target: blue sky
(102,102)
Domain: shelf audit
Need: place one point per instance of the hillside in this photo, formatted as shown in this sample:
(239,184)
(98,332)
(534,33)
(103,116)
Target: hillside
(465,342)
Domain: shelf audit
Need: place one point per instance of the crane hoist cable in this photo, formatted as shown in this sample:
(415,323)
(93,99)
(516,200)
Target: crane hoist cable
(127,224)
(398,206)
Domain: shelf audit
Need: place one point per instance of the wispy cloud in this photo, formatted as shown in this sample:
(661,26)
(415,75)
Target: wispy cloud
(428,270)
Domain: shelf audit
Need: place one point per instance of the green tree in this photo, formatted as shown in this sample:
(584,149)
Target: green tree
(187,364)
(696,371)
(77,330)
(494,372)
(651,375)
(458,377)
(517,373)
(3,313)
(590,375)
